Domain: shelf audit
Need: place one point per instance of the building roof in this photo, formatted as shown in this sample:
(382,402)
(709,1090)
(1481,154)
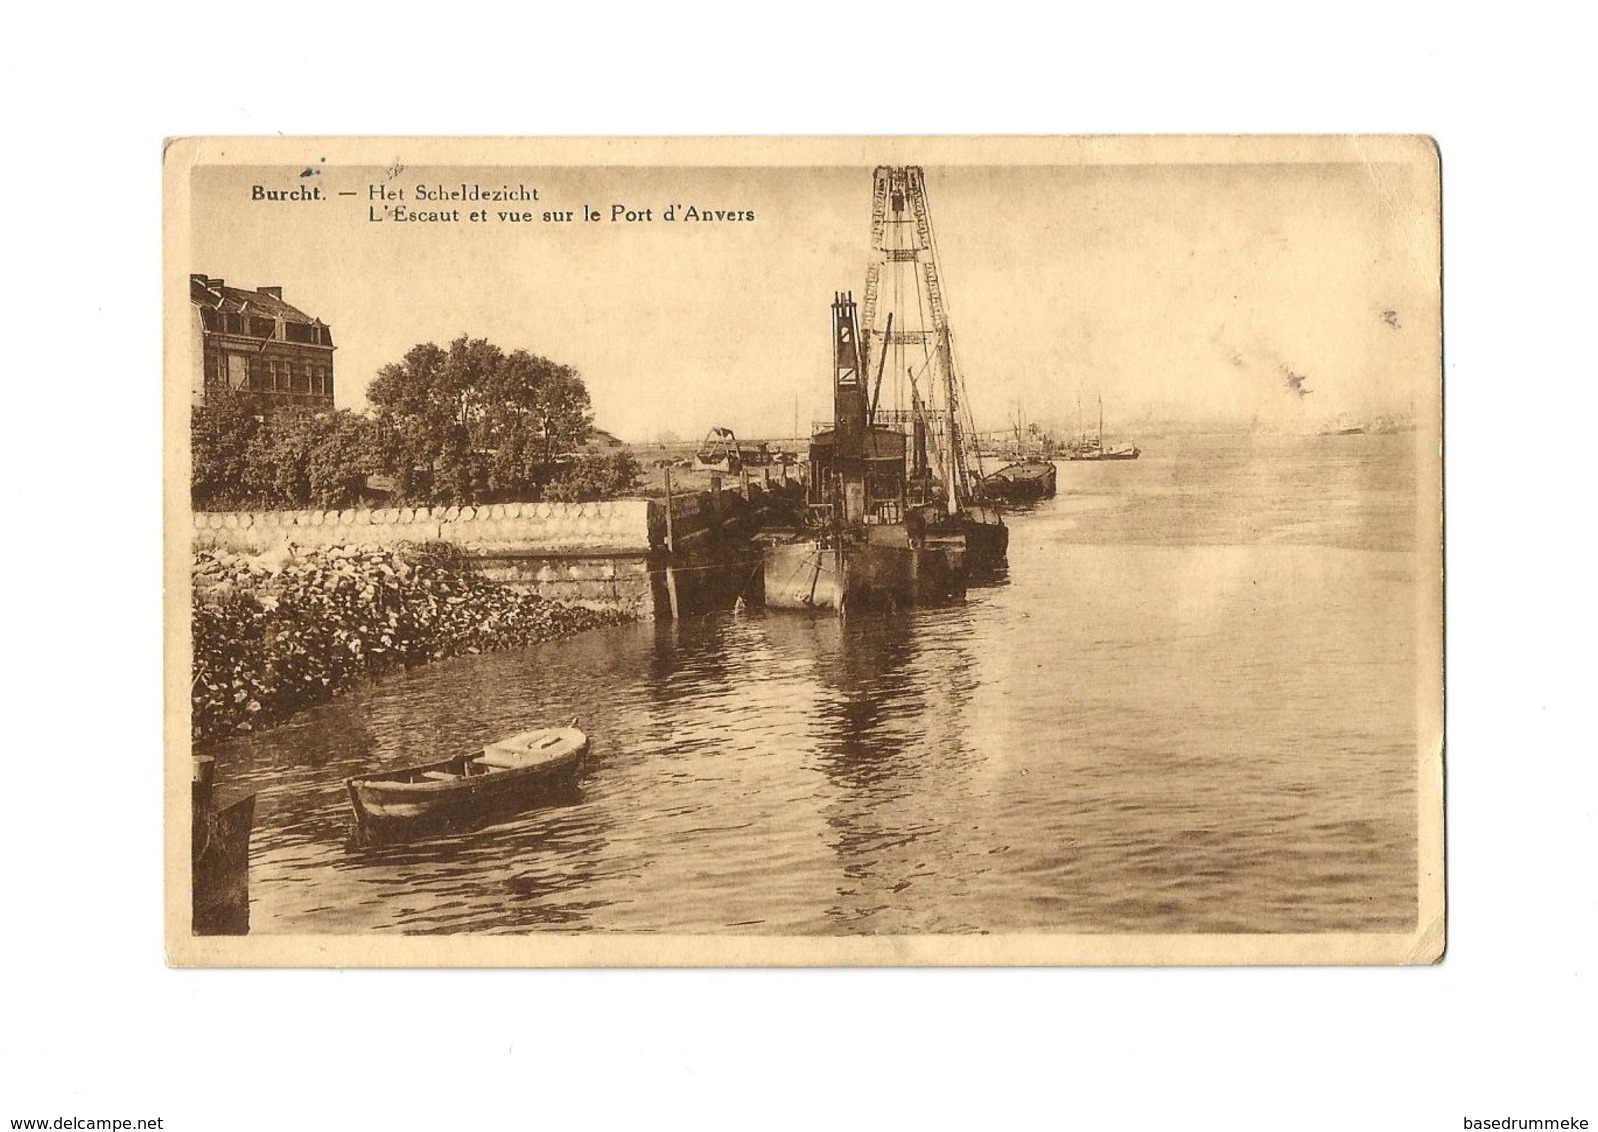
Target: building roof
(264,303)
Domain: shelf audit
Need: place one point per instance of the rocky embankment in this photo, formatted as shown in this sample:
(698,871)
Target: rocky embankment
(274,633)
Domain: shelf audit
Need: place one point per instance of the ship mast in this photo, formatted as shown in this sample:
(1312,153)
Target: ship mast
(956,474)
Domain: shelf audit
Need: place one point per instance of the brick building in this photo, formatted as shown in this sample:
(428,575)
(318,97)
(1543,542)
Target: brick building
(252,344)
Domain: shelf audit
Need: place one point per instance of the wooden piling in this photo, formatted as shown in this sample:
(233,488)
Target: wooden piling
(203,780)
(671,550)
(220,857)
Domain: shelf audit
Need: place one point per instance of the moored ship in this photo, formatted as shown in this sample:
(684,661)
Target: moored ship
(1023,481)
(895,517)
(869,541)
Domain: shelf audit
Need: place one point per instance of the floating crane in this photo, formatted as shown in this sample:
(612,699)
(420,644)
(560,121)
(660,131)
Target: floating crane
(903,279)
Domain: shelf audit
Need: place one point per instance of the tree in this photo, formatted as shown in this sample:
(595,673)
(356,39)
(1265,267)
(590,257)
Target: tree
(219,441)
(342,453)
(477,419)
(291,459)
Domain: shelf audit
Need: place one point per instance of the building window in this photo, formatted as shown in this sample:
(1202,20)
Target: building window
(302,378)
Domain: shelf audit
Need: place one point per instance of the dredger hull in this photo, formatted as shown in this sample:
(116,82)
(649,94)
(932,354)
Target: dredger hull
(801,576)
(868,574)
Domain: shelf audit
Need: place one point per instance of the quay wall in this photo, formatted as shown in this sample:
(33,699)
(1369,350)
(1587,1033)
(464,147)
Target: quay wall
(619,554)
(598,555)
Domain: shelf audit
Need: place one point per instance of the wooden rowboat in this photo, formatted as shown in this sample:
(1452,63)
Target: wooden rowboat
(469,790)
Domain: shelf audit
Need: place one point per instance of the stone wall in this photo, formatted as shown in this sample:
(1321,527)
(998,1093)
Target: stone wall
(593,554)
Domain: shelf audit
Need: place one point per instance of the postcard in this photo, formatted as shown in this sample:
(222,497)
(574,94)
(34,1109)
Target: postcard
(803,551)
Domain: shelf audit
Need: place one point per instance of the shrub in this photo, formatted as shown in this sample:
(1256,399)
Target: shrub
(274,636)
(594,475)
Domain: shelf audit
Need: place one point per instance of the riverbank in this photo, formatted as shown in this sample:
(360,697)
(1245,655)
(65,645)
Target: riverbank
(278,632)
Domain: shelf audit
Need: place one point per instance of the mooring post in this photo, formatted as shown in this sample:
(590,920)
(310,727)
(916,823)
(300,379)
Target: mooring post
(204,778)
(201,808)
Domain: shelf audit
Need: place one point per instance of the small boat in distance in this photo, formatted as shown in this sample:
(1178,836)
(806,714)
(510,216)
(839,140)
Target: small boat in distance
(469,790)
(1119,452)
(1092,447)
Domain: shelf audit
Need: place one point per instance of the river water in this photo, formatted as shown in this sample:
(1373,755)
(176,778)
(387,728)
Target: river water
(1188,707)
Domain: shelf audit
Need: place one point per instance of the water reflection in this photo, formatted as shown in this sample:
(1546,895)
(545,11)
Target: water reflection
(891,733)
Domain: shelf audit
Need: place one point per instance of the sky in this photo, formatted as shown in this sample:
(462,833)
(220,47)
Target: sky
(1175,292)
